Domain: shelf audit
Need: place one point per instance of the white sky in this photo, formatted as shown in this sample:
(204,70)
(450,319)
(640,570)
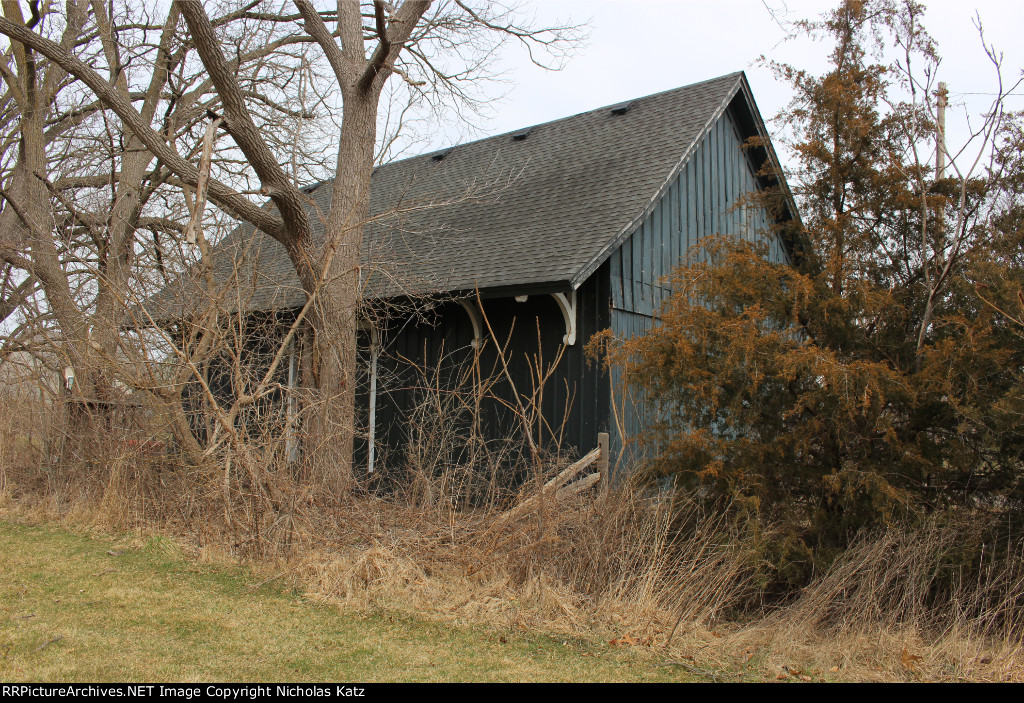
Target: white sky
(639,47)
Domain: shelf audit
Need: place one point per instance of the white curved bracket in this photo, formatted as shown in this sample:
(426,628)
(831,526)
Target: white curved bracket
(474,317)
(567,304)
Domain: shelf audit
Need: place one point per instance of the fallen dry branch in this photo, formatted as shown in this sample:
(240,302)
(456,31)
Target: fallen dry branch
(48,642)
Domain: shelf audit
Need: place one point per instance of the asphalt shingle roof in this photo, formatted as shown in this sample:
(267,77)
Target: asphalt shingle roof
(498,212)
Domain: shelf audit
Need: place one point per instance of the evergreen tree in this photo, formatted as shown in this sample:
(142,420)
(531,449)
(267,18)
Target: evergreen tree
(880,377)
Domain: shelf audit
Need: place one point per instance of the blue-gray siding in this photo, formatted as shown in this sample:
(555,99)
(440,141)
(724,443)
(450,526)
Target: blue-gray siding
(703,200)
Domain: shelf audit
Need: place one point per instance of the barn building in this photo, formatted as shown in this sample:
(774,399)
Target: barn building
(532,241)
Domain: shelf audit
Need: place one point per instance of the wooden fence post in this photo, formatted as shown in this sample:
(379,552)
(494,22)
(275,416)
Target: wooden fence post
(602,460)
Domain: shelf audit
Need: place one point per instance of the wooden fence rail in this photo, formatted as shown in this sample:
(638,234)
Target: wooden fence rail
(559,487)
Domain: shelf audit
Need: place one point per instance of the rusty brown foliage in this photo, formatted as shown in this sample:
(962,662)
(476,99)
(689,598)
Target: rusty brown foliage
(879,378)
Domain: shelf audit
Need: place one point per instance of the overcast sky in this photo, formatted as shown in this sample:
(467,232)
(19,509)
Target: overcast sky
(639,47)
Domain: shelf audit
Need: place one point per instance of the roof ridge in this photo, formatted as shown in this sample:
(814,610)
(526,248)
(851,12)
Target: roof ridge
(449,147)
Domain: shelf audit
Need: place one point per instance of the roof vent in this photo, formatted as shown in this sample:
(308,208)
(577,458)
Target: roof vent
(441,155)
(521,134)
(621,108)
(311,187)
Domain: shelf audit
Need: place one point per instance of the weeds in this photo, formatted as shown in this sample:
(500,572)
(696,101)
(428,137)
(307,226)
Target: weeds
(454,539)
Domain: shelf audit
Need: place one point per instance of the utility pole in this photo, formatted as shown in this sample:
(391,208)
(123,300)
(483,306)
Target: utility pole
(942,96)
(942,99)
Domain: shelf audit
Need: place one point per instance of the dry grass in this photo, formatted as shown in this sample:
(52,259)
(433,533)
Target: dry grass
(627,566)
(894,607)
(618,576)
(594,566)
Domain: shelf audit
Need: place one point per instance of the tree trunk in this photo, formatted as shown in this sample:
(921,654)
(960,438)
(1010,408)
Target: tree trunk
(334,278)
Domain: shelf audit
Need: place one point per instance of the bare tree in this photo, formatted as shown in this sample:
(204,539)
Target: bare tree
(439,51)
(88,210)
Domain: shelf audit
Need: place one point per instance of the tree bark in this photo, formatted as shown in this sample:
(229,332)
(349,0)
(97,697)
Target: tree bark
(334,280)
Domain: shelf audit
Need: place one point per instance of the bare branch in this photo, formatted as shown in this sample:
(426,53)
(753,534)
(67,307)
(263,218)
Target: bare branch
(220,193)
(246,134)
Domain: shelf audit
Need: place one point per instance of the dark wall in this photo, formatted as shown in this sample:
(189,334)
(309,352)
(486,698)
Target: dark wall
(428,371)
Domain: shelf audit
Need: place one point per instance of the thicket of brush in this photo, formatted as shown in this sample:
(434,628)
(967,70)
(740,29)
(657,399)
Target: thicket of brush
(634,564)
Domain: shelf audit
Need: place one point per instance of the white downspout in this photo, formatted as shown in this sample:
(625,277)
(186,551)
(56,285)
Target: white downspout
(371,430)
(291,446)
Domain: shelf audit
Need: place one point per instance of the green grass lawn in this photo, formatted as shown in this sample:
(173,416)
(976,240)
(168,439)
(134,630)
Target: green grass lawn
(93,608)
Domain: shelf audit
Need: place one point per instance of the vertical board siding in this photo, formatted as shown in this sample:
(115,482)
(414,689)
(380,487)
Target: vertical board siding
(703,200)
(441,344)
